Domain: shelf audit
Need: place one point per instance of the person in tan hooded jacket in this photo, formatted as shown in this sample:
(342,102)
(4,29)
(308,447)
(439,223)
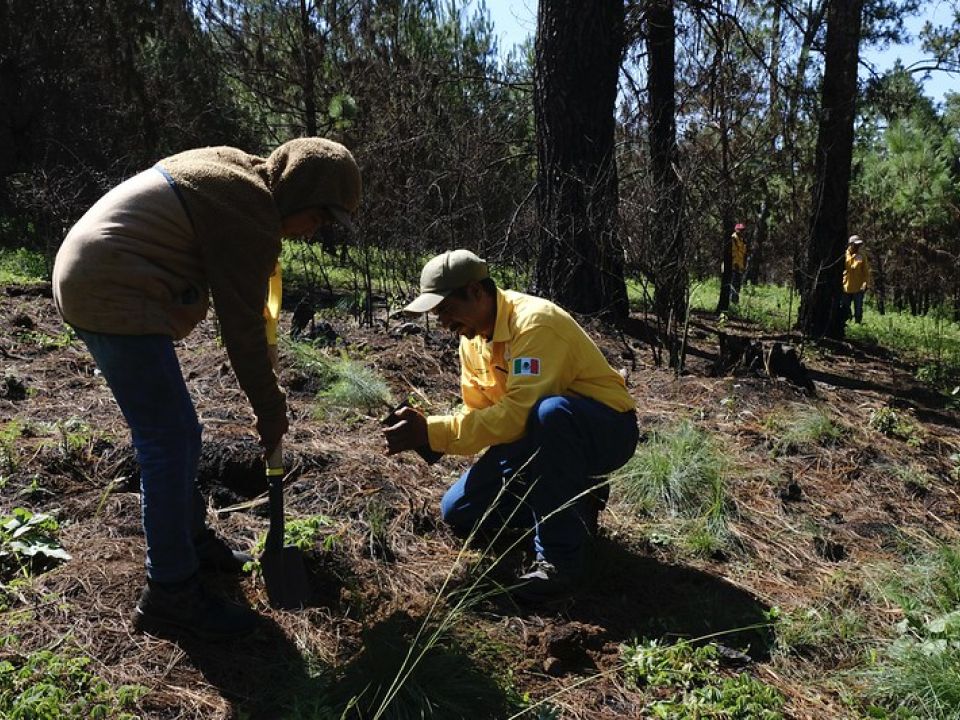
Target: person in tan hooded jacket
(135,274)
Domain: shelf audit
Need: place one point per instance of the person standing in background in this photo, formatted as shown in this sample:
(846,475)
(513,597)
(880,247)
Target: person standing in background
(856,279)
(738,261)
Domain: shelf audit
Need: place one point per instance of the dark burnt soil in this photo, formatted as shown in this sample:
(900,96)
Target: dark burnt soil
(806,521)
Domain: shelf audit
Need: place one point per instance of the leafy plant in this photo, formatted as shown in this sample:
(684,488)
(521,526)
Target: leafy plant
(302,533)
(45,685)
(891,423)
(45,341)
(699,691)
(28,544)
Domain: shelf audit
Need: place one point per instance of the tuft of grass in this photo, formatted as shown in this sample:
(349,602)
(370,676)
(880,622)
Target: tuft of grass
(801,428)
(356,387)
(311,361)
(345,384)
(9,454)
(47,685)
(679,471)
(773,307)
(828,630)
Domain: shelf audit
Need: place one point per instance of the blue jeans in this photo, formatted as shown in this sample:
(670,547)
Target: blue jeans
(736,281)
(857,299)
(145,377)
(570,442)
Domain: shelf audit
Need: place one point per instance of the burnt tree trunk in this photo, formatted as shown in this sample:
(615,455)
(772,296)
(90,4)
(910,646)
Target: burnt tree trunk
(726,269)
(578,52)
(669,267)
(820,314)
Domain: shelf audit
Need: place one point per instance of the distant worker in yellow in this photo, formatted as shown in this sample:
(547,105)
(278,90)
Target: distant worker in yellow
(738,261)
(856,278)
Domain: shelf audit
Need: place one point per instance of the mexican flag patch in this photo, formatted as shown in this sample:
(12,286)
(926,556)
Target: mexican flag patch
(526,366)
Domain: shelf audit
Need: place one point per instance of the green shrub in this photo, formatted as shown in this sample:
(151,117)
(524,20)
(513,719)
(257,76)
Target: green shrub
(891,423)
(20,266)
(917,674)
(54,686)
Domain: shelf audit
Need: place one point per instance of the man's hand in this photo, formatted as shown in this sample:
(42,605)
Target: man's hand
(408,434)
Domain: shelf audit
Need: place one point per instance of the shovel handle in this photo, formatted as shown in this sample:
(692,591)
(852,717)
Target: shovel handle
(275,472)
(275,461)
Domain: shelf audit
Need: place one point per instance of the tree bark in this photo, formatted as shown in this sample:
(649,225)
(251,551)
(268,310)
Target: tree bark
(670,271)
(578,52)
(823,265)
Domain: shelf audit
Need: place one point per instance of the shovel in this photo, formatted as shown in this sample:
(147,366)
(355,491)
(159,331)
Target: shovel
(283,568)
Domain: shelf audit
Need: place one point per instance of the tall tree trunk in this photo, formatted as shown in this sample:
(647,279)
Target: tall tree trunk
(823,264)
(307,71)
(727,186)
(578,52)
(670,271)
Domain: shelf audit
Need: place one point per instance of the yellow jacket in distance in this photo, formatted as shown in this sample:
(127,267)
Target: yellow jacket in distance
(856,272)
(738,252)
(537,350)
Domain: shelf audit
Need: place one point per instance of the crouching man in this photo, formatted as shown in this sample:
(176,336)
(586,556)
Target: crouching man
(540,396)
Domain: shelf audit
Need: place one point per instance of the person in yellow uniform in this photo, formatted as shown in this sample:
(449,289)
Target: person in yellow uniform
(856,278)
(738,261)
(136,274)
(540,398)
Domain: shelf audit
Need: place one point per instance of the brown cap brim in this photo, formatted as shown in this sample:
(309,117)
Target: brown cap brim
(425,302)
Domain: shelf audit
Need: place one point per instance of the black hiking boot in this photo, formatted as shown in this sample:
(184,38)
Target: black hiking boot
(173,610)
(214,554)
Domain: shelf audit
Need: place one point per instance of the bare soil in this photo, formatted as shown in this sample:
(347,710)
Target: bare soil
(806,525)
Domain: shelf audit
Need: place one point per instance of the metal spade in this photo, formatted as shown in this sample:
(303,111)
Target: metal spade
(283,568)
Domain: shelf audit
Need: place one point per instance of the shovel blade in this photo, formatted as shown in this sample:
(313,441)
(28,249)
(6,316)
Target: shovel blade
(285,574)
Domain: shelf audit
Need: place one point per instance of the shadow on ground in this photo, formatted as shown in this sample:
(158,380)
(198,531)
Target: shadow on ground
(266,677)
(634,596)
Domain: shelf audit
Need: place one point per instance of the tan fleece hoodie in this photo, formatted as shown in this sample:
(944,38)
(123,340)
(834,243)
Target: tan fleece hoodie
(145,257)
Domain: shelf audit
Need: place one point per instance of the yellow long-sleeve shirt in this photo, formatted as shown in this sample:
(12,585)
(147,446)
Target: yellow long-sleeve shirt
(738,252)
(536,350)
(856,272)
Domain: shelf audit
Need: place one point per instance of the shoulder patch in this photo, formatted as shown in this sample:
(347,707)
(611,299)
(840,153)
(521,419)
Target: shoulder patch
(526,366)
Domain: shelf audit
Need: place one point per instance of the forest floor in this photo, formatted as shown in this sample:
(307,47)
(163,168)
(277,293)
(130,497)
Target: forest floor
(811,526)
